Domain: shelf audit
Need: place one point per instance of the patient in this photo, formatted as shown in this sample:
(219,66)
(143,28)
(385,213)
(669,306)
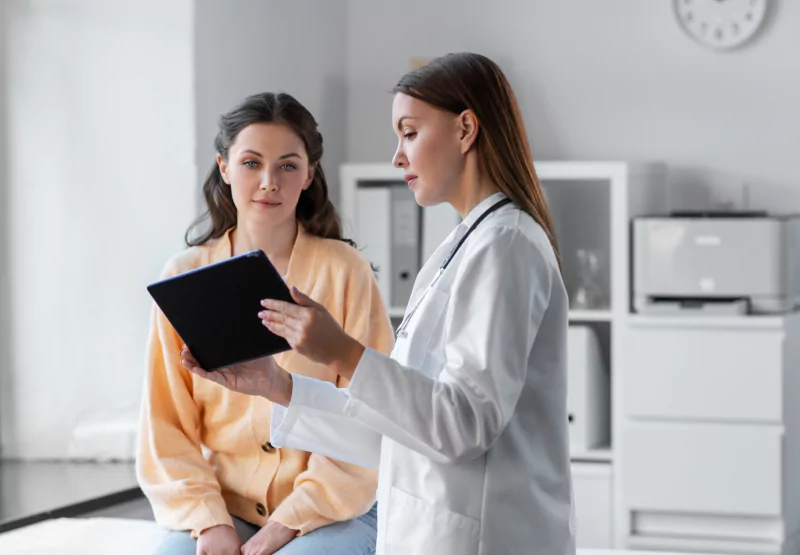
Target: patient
(267,191)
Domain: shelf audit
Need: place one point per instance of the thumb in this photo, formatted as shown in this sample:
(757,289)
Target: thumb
(302,299)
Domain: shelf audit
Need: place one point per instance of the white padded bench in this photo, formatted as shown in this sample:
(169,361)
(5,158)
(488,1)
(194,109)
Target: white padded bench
(104,536)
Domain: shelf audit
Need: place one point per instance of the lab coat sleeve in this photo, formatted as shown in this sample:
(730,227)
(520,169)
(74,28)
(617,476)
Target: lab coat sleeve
(497,304)
(315,421)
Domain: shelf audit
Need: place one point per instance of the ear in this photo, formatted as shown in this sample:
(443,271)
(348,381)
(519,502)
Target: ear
(312,170)
(467,130)
(223,169)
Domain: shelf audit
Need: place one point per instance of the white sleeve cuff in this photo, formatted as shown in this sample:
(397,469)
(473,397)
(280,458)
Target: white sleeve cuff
(315,422)
(361,384)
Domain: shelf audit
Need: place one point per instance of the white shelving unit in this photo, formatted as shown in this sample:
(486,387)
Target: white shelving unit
(602,453)
(590,315)
(592,204)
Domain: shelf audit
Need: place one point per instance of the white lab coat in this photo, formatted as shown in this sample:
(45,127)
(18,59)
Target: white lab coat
(467,420)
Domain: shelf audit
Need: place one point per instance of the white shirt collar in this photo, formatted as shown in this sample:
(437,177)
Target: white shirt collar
(482,207)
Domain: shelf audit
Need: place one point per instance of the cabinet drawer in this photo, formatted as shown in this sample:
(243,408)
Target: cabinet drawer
(593,507)
(698,373)
(710,468)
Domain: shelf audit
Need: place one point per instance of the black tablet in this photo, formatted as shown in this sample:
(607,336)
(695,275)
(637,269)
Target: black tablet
(215,309)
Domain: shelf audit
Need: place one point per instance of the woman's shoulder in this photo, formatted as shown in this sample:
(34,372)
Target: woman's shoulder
(340,255)
(518,232)
(190,258)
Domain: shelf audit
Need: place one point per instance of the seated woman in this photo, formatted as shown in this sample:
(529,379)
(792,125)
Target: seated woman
(267,191)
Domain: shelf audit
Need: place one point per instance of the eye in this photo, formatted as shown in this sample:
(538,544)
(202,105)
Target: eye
(252,164)
(289,167)
(410,135)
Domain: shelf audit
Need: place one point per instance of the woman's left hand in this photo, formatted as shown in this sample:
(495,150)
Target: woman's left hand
(310,329)
(271,538)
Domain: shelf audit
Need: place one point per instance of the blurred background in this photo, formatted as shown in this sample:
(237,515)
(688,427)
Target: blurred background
(683,362)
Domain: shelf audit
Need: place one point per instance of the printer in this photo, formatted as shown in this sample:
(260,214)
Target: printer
(731,262)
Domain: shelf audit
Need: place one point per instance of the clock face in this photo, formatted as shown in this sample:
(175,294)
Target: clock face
(721,23)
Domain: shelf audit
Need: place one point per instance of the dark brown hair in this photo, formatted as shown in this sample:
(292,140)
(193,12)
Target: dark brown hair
(315,212)
(467,81)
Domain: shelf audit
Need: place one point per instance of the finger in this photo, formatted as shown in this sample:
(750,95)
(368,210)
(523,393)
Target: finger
(290,309)
(187,355)
(247,548)
(278,328)
(187,361)
(196,370)
(303,300)
(279,318)
(291,336)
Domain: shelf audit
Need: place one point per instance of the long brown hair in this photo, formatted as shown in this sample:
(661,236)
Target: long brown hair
(315,212)
(467,81)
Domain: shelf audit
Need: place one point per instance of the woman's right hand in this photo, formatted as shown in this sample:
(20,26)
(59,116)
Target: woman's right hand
(261,377)
(219,540)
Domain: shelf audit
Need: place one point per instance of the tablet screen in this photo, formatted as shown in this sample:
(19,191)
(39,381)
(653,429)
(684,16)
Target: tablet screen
(214,309)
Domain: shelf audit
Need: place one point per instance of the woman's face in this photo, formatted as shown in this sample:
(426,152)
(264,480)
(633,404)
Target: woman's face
(429,149)
(267,169)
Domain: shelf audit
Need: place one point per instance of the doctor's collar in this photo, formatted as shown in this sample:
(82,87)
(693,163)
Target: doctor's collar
(482,207)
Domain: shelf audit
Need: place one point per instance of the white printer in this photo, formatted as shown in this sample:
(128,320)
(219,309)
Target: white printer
(716,263)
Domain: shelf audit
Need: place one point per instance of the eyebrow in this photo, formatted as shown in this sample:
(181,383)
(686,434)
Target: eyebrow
(400,121)
(284,157)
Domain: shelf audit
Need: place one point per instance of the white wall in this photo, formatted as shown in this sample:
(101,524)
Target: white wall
(101,178)
(615,79)
(4,229)
(108,102)
(243,47)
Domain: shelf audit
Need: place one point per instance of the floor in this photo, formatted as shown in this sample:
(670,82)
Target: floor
(34,491)
(138,509)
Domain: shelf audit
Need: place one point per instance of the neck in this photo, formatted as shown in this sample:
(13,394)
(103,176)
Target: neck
(474,190)
(276,242)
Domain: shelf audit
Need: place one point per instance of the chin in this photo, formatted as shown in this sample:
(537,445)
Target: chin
(270,219)
(425,199)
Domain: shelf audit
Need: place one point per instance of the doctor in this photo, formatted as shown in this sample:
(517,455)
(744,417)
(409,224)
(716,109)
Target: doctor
(467,419)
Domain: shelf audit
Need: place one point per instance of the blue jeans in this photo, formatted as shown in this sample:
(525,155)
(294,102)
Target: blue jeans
(351,537)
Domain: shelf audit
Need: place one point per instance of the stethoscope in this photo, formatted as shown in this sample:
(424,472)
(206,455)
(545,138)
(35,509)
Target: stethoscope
(401,330)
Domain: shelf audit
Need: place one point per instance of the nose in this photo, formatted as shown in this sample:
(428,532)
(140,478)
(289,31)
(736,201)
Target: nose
(268,182)
(399,159)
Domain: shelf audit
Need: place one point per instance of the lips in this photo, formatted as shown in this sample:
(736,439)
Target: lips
(266,202)
(409,177)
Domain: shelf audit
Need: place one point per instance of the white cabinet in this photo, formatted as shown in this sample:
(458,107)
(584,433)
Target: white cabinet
(710,434)
(703,468)
(592,484)
(680,372)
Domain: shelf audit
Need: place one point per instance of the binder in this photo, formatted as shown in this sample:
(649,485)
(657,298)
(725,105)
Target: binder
(397,235)
(373,205)
(405,235)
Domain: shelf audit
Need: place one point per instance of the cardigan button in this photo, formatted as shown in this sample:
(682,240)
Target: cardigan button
(261,509)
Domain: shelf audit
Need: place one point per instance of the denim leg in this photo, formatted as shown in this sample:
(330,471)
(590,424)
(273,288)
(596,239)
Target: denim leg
(177,543)
(351,537)
(182,543)
(245,530)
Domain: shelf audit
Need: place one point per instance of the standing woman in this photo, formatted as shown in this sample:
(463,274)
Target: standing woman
(467,419)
